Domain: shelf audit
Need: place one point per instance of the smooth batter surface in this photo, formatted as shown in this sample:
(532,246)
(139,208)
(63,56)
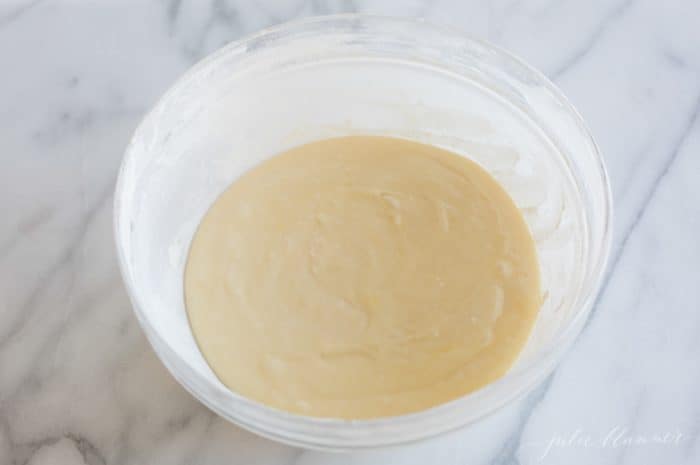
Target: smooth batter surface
(362,277)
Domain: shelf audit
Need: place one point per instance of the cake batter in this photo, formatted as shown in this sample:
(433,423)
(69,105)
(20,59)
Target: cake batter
(361,277)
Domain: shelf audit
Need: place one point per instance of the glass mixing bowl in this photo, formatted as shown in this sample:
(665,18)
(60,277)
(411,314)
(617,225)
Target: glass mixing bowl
(355,74)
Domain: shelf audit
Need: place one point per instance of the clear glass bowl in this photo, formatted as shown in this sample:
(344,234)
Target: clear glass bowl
(355,74)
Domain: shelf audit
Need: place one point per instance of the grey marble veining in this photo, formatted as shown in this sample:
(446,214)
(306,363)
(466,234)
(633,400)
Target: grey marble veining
(78,381)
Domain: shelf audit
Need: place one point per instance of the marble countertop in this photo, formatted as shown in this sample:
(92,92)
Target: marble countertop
(80,384)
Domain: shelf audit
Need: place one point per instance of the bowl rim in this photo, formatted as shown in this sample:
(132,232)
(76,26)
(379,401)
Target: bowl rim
(269,421)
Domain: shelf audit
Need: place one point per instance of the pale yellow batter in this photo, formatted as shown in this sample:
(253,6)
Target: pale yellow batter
(362,277)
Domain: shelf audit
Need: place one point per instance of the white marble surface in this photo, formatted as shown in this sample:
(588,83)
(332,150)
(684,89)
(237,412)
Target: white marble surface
(78,381)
